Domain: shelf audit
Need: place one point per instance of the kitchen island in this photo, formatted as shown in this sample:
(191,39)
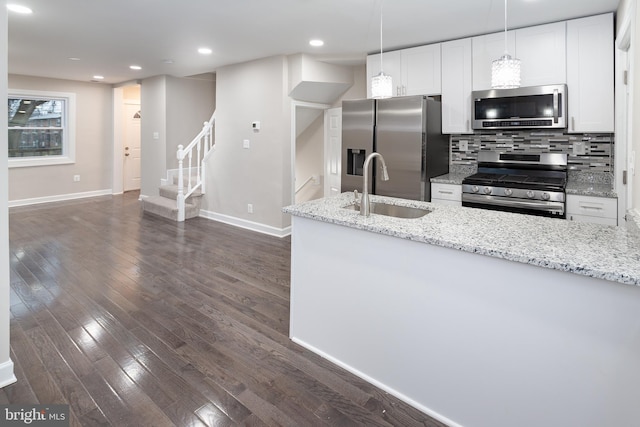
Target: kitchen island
(478,318)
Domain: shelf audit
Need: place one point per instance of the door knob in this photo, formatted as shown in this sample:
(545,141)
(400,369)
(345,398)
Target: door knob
(126,154)
(126,148)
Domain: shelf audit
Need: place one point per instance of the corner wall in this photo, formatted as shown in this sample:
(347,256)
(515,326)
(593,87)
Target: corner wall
(94,154)
(260,175)
(6,365)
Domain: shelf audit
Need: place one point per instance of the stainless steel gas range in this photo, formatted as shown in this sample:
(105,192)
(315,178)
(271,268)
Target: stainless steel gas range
(523,183)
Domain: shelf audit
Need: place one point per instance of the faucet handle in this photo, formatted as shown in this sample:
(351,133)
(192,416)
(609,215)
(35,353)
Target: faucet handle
(355,197)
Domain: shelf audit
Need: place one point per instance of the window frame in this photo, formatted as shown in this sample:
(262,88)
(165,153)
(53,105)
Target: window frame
(68,123)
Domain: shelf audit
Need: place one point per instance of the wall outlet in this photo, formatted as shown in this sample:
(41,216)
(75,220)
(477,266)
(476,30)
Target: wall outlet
(246,144)
(250,208)
(464,145)
(579,148)
(315,179)
(76,178)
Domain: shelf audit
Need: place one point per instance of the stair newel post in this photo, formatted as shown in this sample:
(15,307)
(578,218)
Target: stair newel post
(180,198)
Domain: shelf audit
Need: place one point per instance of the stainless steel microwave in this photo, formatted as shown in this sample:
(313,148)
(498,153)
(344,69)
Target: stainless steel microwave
(521,108)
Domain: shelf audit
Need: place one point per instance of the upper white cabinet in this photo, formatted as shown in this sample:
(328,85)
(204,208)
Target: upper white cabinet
(541,50)
(590,58)
(415,71)
(486,49)
(456,86)
(421,70)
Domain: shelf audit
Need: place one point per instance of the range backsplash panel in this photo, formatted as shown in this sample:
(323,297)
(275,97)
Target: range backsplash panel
(597,157)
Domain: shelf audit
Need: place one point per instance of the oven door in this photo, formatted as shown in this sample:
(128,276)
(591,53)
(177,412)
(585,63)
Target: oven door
(529,207)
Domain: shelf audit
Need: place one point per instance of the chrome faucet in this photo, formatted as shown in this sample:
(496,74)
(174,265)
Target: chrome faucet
(365,204)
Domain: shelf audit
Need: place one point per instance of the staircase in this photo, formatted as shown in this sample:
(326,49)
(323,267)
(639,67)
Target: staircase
(181,199)
(166,204)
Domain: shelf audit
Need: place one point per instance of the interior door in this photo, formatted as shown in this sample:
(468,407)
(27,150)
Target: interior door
(332,151)
(131,167)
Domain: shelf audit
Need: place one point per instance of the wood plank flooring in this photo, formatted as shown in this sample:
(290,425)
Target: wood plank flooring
(134,320)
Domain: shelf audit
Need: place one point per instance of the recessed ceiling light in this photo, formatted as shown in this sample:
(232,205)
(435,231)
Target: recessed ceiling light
(316,43)
(97,77)
(204,51)
(73,58)
(19,9)
(167,61)
(135,67)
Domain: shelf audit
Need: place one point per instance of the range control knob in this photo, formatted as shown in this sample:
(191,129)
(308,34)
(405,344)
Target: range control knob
(545,196)
(475,189)
(487,190)
(508,191)
(530,194)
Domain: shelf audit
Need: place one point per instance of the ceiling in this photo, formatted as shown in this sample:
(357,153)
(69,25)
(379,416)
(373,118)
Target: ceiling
(162,37)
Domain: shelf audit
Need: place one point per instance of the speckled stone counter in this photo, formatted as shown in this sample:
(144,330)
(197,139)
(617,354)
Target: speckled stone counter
(605,252)
(450,178)
(590,184)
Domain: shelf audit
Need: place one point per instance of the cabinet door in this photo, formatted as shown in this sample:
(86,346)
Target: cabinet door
(392,65)
(542,50)
(487,49)
(590,59)
(421,70)
(456,86)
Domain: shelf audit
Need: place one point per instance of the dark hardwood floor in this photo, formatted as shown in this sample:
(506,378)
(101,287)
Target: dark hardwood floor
(134,320)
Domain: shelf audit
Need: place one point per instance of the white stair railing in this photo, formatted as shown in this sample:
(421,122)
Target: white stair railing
(201,145)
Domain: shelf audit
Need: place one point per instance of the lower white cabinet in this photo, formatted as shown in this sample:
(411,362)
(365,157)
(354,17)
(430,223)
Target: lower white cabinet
(446,194)
(598,210)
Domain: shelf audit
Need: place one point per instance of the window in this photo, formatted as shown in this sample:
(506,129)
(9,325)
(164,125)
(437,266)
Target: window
(41,128)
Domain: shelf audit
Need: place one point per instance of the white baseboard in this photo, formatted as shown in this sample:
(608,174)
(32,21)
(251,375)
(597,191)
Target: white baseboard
(391,391)
(59,198)
(248,225)
(7,376)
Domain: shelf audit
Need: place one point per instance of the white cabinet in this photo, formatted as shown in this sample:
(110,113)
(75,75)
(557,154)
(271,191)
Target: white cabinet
(415,71)
(598,210)
(542,50)
(421,70)
(486,49)
(456,86)
(446,194)
(590,58)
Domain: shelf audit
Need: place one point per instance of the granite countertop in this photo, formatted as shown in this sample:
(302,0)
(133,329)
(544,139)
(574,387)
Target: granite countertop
(605,252)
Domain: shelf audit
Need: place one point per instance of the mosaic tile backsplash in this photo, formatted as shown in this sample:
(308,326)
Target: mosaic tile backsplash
(587,152)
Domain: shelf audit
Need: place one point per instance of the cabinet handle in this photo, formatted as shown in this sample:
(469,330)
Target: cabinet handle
(468,127)
(445,192)
(398,91)
(573,123)
(404,90)
(595,208)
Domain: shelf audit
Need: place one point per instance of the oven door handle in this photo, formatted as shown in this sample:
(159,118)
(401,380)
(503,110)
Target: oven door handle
(556,107)
(539,205)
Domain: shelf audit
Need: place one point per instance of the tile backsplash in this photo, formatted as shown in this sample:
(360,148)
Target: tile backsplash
(587,152)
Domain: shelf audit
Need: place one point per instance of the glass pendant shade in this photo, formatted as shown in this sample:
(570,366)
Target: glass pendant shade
(505,73)
(381,86)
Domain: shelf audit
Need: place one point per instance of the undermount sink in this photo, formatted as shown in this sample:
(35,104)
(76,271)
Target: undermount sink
(392,210)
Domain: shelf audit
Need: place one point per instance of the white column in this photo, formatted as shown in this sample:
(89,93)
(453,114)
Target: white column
(6,365)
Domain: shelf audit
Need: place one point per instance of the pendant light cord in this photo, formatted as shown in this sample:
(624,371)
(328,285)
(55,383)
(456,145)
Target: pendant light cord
(381,68)
(506,51)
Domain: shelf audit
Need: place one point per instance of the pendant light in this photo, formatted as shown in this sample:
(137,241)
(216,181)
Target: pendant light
(381,84)
(505,72)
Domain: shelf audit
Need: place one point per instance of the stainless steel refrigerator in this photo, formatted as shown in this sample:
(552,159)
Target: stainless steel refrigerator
(407,131)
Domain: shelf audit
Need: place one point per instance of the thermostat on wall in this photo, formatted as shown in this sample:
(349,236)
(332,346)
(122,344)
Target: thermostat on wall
(255,126)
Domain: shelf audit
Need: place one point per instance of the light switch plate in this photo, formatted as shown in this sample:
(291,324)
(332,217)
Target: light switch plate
(246,143)
(579,148)
(464,145)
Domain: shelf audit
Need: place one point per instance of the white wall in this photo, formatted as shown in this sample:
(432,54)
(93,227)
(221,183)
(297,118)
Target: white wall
(190,102)
(310,159)
(174,109)
(6,366)
(261,175)
(153,111)
(94,135)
